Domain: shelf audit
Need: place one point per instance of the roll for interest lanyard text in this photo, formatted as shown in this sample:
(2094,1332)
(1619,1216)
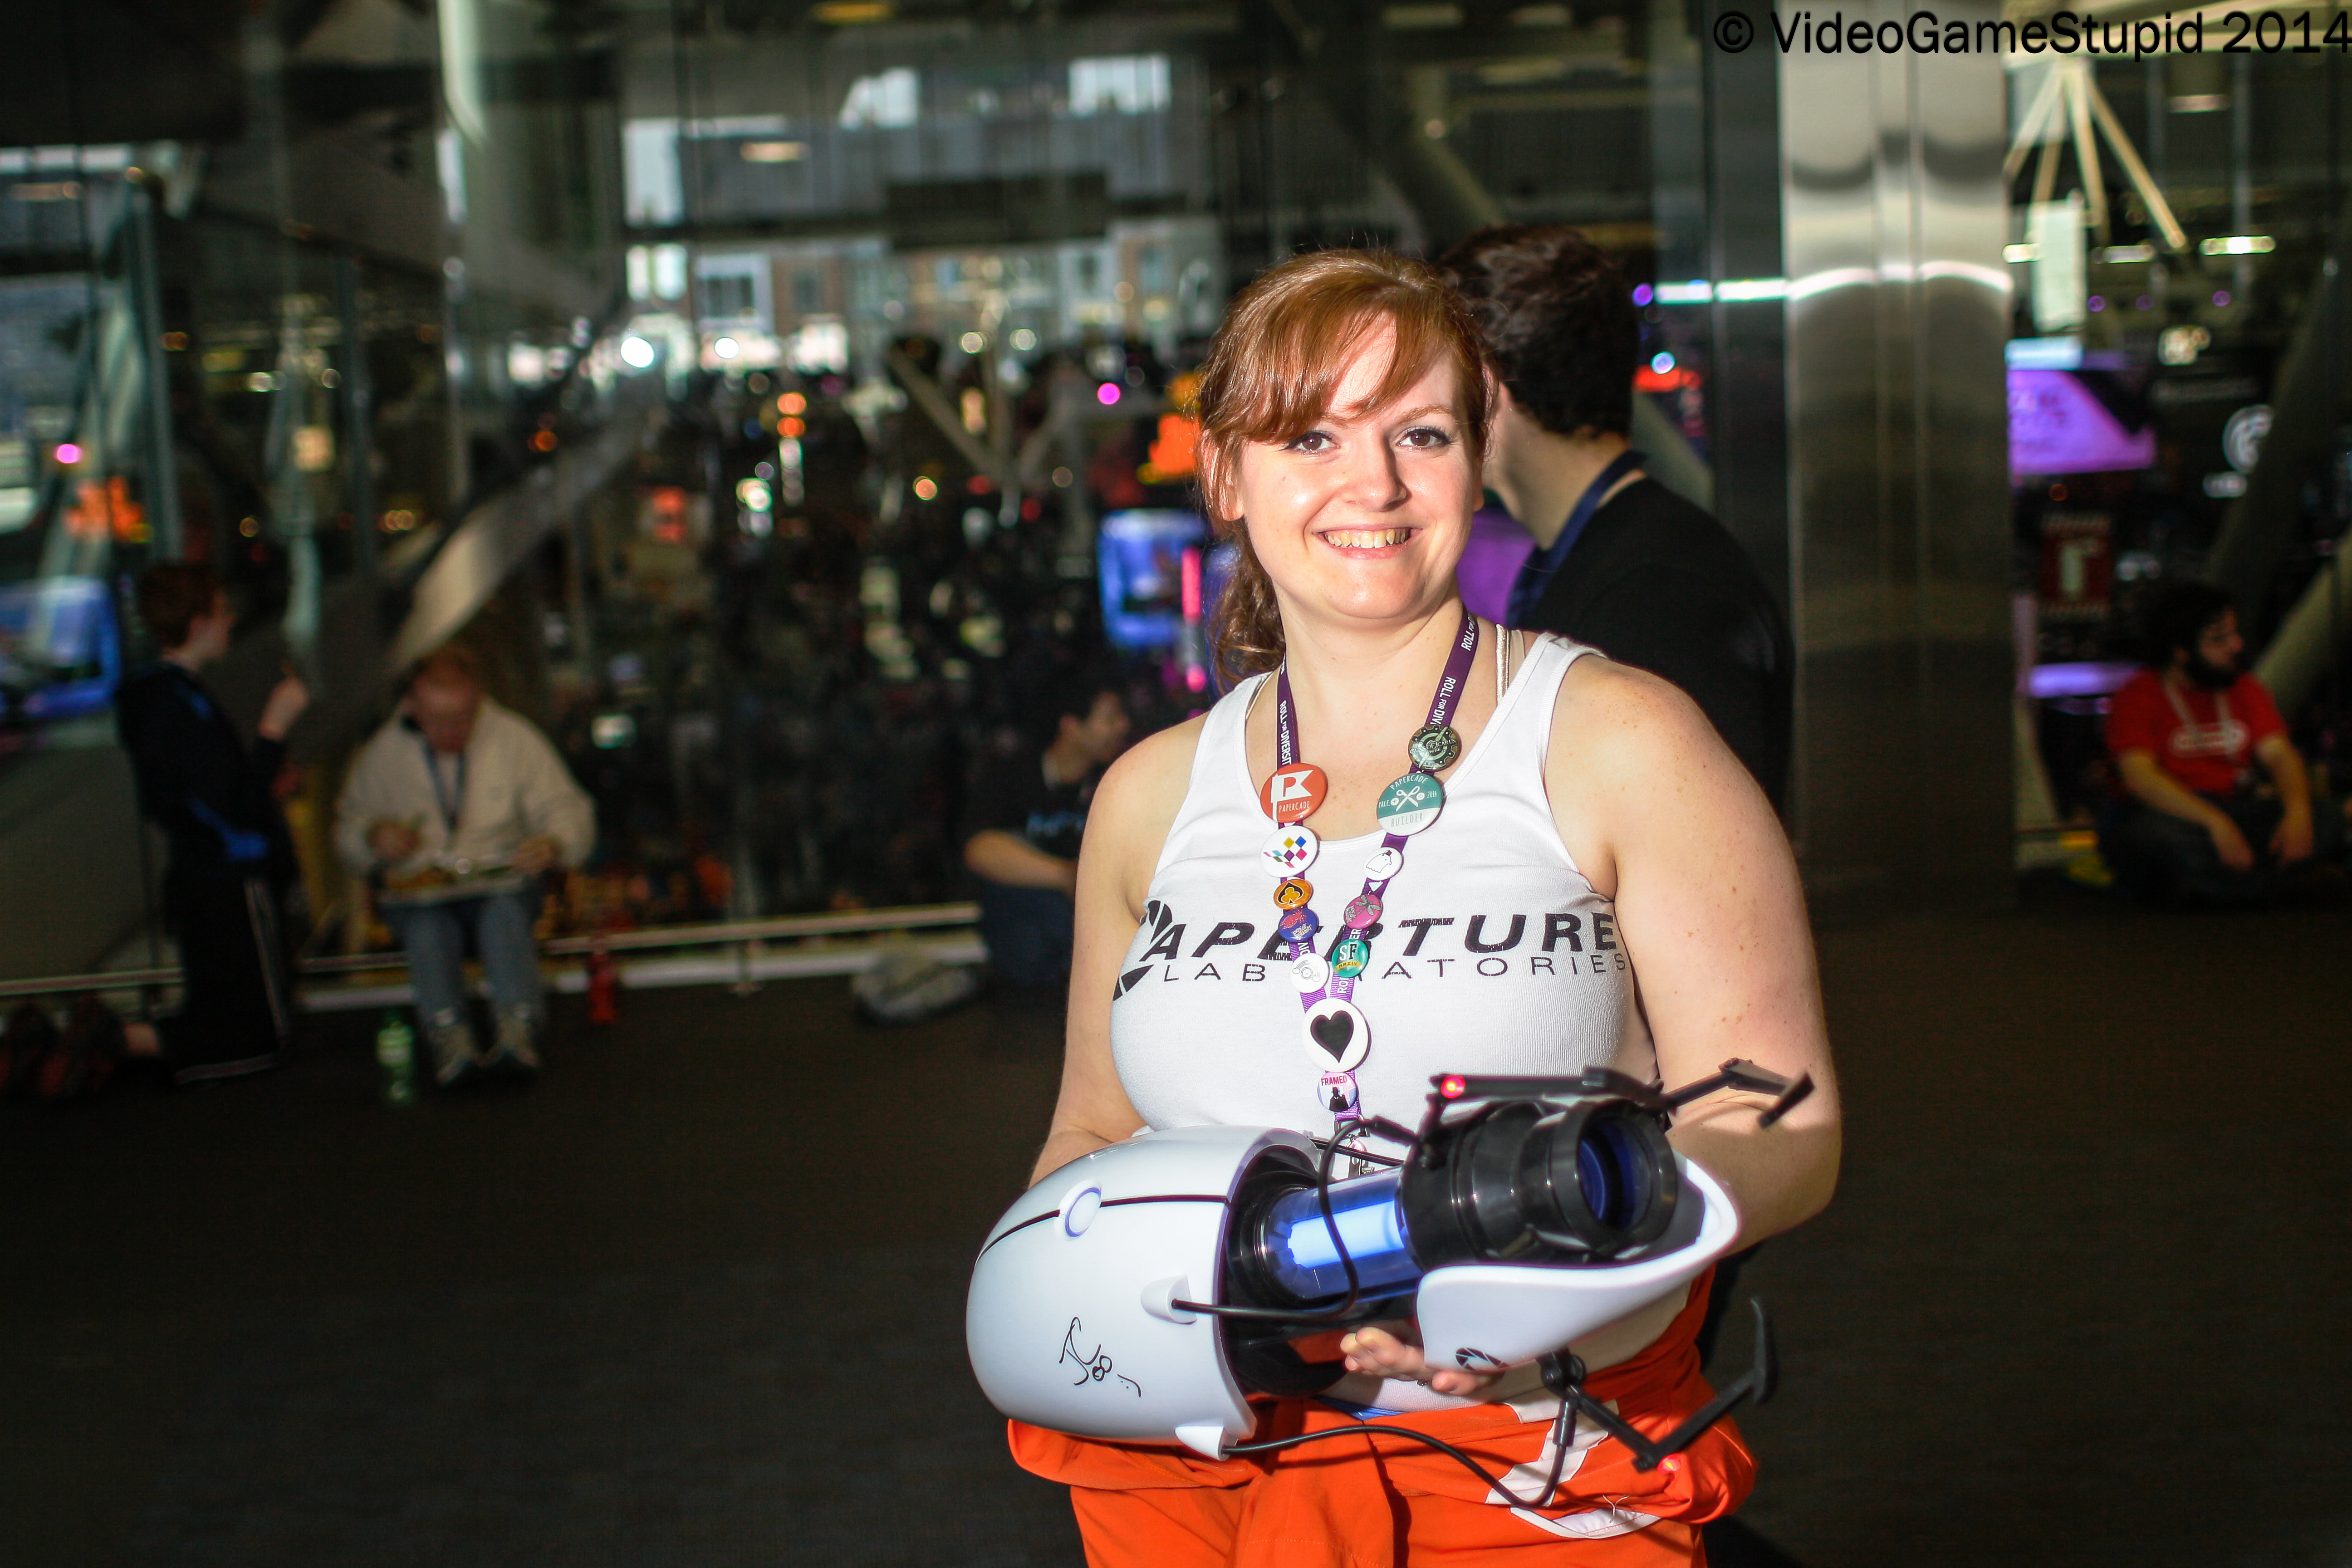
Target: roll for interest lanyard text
(1336,1036)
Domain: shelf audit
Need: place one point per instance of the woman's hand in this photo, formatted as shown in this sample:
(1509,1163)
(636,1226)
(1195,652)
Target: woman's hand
(1393,1351)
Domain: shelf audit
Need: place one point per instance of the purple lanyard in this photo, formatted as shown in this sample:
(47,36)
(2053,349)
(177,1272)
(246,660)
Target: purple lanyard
(1340,1098)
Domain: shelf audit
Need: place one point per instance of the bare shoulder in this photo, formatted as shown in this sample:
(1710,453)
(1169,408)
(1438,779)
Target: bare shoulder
(1133,808)
(1631,759)
(1614,721)
(1147,785)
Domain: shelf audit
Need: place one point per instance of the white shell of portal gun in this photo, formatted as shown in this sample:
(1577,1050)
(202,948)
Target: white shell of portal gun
(1130,1294)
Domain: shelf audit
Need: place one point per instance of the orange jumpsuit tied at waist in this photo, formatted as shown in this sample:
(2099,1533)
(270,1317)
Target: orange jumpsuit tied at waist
(1386,1502)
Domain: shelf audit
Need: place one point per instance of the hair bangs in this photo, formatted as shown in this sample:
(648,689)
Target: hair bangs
(1309,354)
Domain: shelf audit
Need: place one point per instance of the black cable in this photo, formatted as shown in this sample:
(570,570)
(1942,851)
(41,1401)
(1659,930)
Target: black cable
(1307,1314)
(1562,1426)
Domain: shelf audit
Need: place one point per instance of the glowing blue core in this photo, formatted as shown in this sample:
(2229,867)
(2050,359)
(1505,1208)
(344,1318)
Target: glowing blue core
(1299,1251)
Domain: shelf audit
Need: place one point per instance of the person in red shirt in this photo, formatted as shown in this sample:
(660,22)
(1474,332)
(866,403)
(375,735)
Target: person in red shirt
(2217,803)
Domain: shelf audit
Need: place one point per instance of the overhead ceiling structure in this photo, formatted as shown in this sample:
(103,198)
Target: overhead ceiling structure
(77,72)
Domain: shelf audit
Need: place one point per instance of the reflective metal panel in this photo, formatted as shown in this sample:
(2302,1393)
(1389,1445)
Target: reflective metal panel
(1892,211)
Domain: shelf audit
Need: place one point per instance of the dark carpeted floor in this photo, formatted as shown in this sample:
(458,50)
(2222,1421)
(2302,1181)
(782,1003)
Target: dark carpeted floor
(695,1298)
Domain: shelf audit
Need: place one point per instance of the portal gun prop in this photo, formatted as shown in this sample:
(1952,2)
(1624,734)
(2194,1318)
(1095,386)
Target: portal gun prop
(1143,1292)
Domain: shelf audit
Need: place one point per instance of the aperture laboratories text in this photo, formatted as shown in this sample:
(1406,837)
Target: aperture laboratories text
(2060,32)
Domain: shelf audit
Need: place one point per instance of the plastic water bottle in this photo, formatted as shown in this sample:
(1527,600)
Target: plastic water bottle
(396,1052)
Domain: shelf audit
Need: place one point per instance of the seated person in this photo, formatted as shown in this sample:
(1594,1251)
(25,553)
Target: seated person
(1023,824)
(2185,734)
(456,805)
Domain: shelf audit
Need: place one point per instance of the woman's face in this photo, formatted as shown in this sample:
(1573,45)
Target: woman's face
(1363,517)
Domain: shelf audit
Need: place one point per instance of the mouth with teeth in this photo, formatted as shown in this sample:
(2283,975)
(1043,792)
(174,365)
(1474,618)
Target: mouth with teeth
(1366,539)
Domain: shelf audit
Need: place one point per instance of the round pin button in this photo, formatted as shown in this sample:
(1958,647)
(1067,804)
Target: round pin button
(1434,747)
(1362,910)
(1410,804)
(1290,850)
(1335,1035)
(1309,973)
(1340,1093)
(1349,955)
(1292,893)
(1299,925)
(1294,793)
(1385,863)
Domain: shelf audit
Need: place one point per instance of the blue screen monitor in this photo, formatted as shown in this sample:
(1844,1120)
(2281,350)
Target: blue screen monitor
(1141,553)
(60,650)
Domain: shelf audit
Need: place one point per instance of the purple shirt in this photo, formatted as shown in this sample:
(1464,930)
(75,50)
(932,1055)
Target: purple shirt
(1498,547)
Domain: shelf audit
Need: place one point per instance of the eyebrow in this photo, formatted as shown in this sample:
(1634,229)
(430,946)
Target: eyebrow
(1426,408)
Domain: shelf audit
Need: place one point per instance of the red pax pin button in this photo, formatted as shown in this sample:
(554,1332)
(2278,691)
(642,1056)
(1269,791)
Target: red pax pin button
(1294,793)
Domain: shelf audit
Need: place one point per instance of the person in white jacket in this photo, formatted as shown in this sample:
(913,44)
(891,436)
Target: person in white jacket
(456,808)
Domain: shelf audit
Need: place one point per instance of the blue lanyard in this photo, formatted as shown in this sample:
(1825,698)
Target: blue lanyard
(1537,572)
(450,811)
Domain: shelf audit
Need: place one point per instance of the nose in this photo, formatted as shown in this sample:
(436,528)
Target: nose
(1372,480)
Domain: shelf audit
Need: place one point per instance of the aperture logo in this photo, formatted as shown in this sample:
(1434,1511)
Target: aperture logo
(1806,32)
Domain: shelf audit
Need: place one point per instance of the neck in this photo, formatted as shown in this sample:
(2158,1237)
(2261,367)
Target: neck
(1542,476)
(186,658)
(1064,762)
(1369,671)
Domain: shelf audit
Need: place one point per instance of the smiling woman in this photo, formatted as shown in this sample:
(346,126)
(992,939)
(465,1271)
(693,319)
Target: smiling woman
(1337,339)
(1277,925)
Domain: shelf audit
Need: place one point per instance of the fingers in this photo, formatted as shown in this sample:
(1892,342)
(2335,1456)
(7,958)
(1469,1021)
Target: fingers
(1378,1350)
(1376,1353)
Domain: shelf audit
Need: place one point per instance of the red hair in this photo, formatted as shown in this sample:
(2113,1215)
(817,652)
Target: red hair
(1286,343)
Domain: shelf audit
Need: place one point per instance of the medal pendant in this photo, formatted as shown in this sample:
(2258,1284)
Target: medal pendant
(1410,804)
(1434,748)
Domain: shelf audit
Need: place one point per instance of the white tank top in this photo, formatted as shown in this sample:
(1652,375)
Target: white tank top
(1493,954)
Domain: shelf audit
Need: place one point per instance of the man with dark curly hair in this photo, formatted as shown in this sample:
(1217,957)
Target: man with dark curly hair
(2213,801)
(1621,563)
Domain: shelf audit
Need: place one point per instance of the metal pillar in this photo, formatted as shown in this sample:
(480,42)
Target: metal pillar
(1893,219)
(359,413)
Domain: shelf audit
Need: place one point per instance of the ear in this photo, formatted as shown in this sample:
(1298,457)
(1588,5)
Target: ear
(1216,482)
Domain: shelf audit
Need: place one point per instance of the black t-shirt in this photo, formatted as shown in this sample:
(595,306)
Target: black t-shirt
(208,790)
(1009,794)
(1658,584)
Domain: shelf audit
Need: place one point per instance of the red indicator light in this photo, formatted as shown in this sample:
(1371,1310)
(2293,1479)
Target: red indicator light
(1451,1086)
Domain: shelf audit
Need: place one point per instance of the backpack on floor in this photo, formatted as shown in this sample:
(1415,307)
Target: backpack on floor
(907,985)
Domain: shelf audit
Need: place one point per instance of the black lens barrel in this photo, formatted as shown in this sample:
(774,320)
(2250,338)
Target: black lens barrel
(1540,1182)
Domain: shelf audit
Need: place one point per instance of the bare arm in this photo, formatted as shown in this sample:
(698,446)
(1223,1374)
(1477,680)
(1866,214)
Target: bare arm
(1664,820)
(1002,856)
(2279,758)
(2150,784)
(1133,809)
